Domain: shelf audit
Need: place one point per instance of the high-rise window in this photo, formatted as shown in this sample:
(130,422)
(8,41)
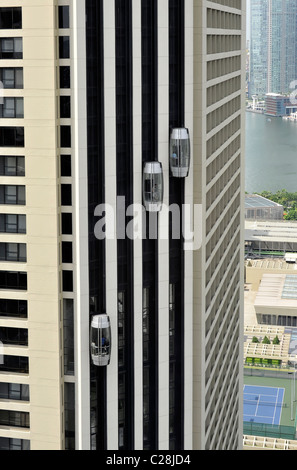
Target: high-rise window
(12,194)
(12,108)
(64,76)
(10,18)
(65,106)
(14,252)
(15,280)
(11,48)
(12,223)
(64,18)
(7,443)
(64,47)
(12,391)
(65,165)
(12,137)
(12,166)
(13,308)
(11,77)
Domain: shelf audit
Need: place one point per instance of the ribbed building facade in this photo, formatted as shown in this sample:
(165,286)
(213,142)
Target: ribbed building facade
(121,135)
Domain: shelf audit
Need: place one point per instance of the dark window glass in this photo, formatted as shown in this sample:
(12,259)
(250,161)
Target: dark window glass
(64,47)
(64,17)
(11,18)
(13,308)
(66,224)
(11,108)
(14,252)
(66,194)
(65,106)
(11,48)
(66,252)
(64,76)
(11,77)
(68,328)
(12,223)
(12,391)
(12,137)
(11,194)
(65,165)
(18,419)
(7,443)
(13,280)
(67,277)
(65,132)
(12,166)
(14,336)
(18,364)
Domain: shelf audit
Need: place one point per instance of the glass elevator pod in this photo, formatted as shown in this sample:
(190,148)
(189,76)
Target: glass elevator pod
(153,186)
(100,337)
(179,152)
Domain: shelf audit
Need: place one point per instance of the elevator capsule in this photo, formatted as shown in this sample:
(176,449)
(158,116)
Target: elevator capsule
(179,152)
(100,339)
(153,186)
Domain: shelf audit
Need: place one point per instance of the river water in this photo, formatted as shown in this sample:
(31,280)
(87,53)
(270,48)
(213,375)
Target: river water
(271,154)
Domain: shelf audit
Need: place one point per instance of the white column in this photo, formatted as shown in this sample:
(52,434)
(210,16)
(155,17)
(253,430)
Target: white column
(81,273)
(137,189)
(163,284)
(110,198)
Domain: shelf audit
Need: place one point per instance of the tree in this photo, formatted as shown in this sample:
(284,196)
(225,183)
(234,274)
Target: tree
(266,340)
(255,339)
(276,340)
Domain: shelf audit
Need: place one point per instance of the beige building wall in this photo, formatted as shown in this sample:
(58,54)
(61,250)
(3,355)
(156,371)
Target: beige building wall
(42,238)
(219,47)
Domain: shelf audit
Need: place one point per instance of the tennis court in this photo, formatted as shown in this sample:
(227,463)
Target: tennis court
(263,404)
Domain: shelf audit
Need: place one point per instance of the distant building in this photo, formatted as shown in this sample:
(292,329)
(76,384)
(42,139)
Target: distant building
(272,46)
(276,301)
(259,208)
(276,105)
(271,235)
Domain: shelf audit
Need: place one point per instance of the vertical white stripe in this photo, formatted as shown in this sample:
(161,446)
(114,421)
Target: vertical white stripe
(110,198)
(79,135)
(137,188)
(163,284)
(188,294)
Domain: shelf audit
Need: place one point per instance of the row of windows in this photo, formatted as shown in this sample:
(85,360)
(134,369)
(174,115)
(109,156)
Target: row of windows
(220,67)
(13,107)
(11,17)
(222,19)
(218,43)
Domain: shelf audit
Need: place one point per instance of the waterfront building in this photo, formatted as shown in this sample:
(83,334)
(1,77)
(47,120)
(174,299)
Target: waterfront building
(116,338)
(273,46)
(260,208)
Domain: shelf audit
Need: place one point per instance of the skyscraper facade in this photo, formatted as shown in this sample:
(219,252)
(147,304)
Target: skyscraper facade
(122,184)
(273,46)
